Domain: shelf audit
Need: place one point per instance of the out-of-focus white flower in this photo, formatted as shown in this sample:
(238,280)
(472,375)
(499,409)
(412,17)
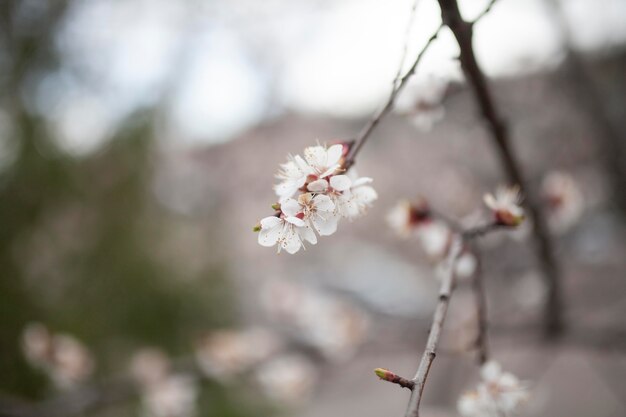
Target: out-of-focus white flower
(500,393)
(435,237)
(150,366)
(422,101)
(505,205)
(405,216)
(289,230)
(228,352)
(332,326)
(65,360)
(288,379)
(466,265)
(174,396)
(37,344)
(73,363)
(564,200)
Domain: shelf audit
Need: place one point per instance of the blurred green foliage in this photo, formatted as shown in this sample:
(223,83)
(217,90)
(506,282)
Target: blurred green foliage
(80,238)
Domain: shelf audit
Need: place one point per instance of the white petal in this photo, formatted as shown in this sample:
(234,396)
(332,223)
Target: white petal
(304,167)
(491,371)
(326,225)
(269,222)
(365,195)
(316,156)
(323,203)
(270,232)
(340,182)
(334,154)
(291,241)
(318,186)
(290,207)
(286,188)
(361,181)
(490,201)
(331,170)
(308,234)
(295,221)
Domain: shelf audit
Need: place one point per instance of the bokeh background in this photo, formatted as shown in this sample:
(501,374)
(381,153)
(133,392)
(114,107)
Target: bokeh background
(138,144)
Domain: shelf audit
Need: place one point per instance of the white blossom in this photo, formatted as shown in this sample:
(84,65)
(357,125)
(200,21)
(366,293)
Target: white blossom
(422,101)
(319,211)
(435,238)
(288,379)
(319,162)
(564,200)
(353,195)
(499,393)
(289,230)
(505,205)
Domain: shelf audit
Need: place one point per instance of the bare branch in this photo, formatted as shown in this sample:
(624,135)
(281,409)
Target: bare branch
(383,111)
(463,32)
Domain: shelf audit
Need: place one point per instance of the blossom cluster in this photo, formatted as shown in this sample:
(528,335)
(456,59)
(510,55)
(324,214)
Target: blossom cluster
(314,193)
(498,394)
(65,360)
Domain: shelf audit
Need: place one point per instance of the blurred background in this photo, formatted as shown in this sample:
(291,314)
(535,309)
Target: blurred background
(138,144)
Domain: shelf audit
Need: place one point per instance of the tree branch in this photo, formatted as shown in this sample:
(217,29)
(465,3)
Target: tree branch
(463,33)
(386,108)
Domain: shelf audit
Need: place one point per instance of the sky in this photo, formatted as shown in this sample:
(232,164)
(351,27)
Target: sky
(218,68)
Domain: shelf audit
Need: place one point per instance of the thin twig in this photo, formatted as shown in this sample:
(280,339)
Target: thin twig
(445,291)
(405,43)
(462,31)
(484,12)
(386,108)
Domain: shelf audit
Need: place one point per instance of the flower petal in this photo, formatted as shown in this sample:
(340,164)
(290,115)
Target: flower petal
(323,203)
(340,182)
(318,186)
(271,228)
(291,241)
(290,207)
(295,221)
(326,225)
(361,181)
(308,234)
(334,154)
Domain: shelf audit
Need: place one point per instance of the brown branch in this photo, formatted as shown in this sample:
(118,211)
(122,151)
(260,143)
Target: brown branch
(463,33)
(445,292)
(405,43)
